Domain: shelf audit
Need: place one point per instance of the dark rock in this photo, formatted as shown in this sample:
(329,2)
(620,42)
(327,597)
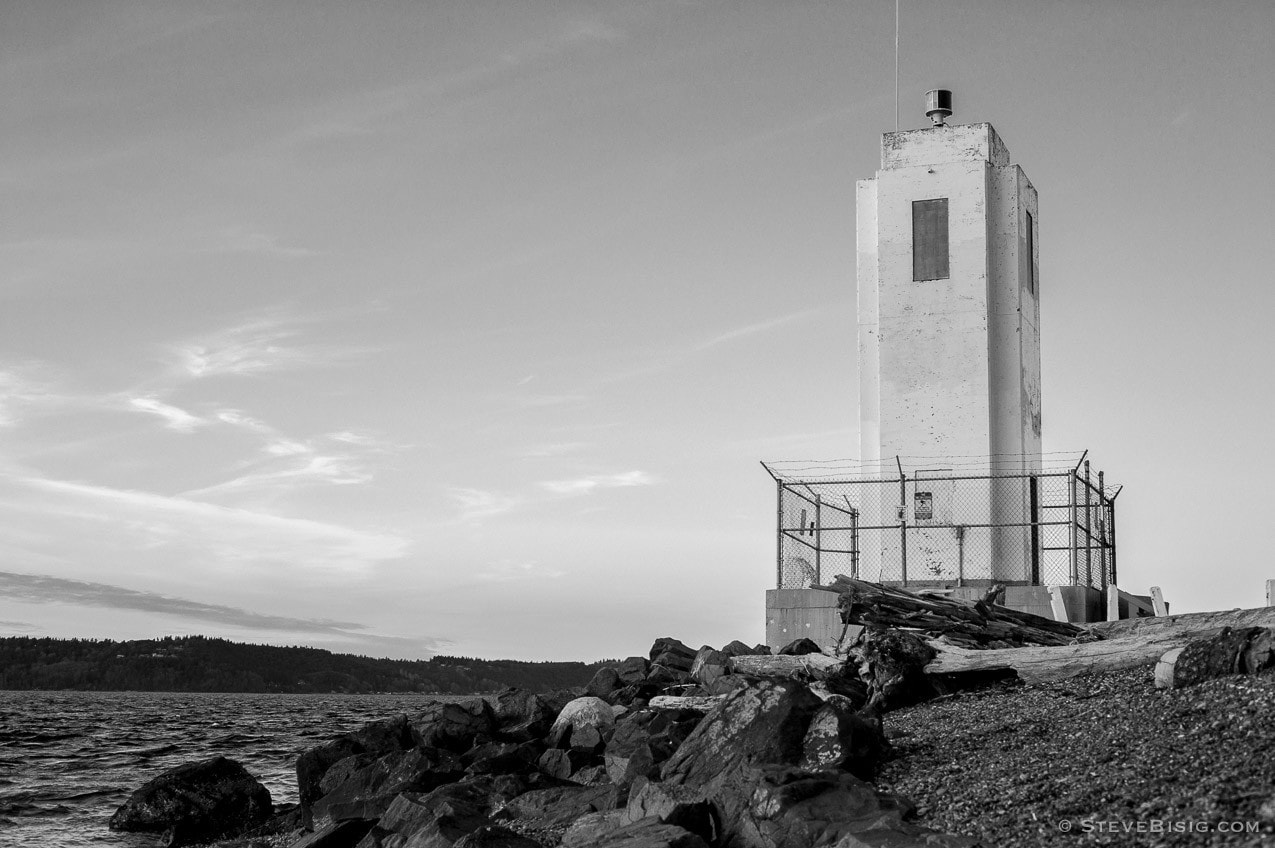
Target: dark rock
(665,675)
(437,818)
(503,757)
(376,738)
(591,828)
(726,684)
(495,836)
(800,647)
(709,665)
(561,805)
(675,805)
(197,802)
(840,738)
(643,740)
(761,651)
(764,723)
(632,670)
(671,653)
(453,725)
(636,694)
(604,683)
(367,791)
(647,833)
(521,716)
(587,739)
(594,775)
(588,717)
(556,762)
(736,648)
(346,834)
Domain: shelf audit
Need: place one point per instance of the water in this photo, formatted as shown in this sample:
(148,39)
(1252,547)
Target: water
(69,759)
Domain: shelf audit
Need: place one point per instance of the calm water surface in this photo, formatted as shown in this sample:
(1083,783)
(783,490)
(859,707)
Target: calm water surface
(69,759)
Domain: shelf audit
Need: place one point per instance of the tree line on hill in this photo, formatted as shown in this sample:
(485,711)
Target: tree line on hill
(200,664)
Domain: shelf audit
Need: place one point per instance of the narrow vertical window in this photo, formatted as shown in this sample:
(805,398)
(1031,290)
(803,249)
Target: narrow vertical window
(1031,253)
(929,239)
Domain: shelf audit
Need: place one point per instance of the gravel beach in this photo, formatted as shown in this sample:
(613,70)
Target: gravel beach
(1099,760)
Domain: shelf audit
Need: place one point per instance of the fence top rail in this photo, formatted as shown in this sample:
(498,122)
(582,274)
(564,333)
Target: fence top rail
(813,474)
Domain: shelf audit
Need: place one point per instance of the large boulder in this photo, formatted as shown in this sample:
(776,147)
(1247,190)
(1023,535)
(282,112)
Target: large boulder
(453,725)
(376,739)
(561,805)
(671,653)
(587,720)
(197,802)
(709,665)
(363,788)
(632,670)
(800,647)
(604,683)
(763,723)
(436,819)
(643,740)
(495,836)
(521,716)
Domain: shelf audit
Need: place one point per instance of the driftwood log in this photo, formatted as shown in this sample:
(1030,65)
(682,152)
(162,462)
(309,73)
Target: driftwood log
(980,624)
(1142,643)
(805,666)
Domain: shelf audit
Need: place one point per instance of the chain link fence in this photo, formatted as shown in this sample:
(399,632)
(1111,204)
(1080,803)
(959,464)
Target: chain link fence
(946,523)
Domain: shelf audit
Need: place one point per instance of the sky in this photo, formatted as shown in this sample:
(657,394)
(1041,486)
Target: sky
(402,328)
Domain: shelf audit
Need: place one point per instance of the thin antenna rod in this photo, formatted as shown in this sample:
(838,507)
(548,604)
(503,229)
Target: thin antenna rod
(896,65)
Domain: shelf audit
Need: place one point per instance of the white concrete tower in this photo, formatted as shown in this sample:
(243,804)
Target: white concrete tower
(949,310)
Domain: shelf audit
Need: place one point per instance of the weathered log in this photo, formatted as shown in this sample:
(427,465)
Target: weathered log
(1040,664)
(1245,650)
(1198,621)
(805,666)
(699,703)
(977,624)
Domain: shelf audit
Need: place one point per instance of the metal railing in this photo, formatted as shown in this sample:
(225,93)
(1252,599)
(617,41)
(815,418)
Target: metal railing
(944,524)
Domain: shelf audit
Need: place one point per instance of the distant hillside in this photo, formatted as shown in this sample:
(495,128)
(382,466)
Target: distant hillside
(199,664)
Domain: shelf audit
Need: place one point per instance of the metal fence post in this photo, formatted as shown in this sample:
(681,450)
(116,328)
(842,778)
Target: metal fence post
(1073,560)
(1034,494)
(779,538)
(1088,529)
(903,518)
(818,538)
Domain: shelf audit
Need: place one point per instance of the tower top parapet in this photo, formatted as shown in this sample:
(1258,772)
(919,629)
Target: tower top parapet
(944,143)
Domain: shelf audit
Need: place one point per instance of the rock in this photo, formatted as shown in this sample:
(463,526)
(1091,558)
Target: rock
(495,836)
(367,790)
(800,647)
(591,828)
(376,738)
(764,723)
(736,648)
(632,670)
(647,833)
(436,819)
(579,716)
(643,740)
(671,653)
(556,762)
(604,683)
(586,739)
(840,738)
(761,650)
(726,684)
(673,805)
(346,834)
(709,665)
(595,775)
(637,694)
(453,725)
(521,716)
(666,675)
(503,758)
(210,799)
(561,805)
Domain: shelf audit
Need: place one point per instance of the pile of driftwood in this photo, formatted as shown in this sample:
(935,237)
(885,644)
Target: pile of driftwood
(981,624)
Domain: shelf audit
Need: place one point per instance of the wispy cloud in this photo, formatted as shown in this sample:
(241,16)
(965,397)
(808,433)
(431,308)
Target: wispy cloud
(240,241)
(232,536)
(510,570)
(552,449)
(18,626)
(755,328)
(257,346)
(39,588)
(476,504)
(174,418)
(584,485)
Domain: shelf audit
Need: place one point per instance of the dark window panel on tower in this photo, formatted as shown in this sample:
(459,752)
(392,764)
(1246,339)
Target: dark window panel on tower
(929,239)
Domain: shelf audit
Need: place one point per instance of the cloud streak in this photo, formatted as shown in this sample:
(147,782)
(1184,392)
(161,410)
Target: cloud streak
(174,418)
(584,485)
(42,589)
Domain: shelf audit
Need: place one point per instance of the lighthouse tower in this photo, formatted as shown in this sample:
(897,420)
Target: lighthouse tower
(949,313)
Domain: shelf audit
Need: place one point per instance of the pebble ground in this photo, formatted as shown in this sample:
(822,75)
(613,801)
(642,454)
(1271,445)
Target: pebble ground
(1099,760)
